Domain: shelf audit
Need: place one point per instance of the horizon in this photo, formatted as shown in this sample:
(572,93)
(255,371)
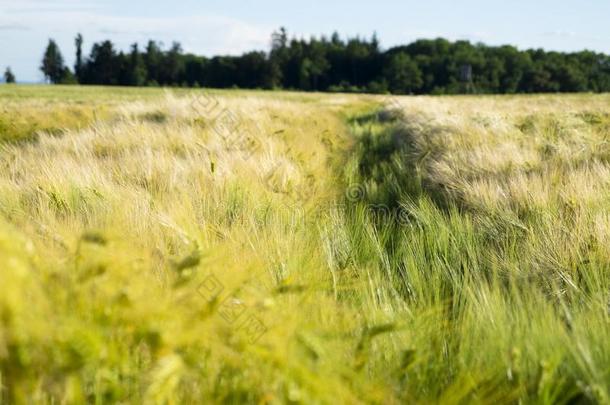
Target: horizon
(234,27)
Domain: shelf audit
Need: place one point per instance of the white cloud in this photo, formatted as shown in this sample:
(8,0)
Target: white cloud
(25,27)
(560,34)
(204,34)
(37,6)
(13,27)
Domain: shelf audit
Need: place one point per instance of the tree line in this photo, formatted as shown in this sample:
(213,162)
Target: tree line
(435,66)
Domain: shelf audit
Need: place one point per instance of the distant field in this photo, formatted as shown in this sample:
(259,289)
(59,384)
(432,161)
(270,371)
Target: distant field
(186,246)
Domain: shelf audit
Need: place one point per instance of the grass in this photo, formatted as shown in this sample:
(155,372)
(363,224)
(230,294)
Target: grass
(503,241)
(303,248)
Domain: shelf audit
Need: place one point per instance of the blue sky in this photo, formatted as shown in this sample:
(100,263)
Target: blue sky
(232,26)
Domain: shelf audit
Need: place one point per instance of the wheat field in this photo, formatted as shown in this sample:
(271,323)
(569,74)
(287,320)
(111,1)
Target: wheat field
(191,246)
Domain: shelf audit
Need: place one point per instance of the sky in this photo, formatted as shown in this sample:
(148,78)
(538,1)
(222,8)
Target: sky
(211,27)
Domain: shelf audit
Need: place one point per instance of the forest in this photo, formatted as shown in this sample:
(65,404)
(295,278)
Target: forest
(334,64)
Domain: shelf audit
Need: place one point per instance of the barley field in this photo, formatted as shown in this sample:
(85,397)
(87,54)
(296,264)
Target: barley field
(193,246)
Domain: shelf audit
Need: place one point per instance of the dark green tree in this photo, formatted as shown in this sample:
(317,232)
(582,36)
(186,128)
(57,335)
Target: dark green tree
(255,71)
(194,70)
(103,66)
(53,63)
(314,65)
(516,63)
(9,77)
(357,57)
(403,74)
(152,59)
(171,66)
(136,75)
(278,56)
(78,65)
